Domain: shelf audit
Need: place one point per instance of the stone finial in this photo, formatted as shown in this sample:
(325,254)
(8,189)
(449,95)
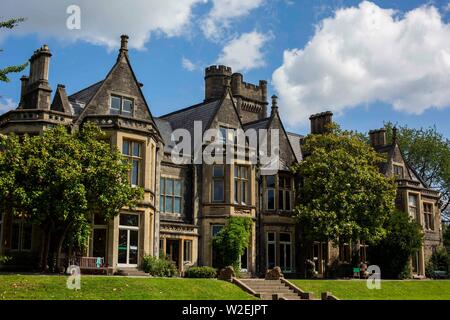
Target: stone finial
(274,104)
(227,274)
(123,45)
(274,274)
(394,135)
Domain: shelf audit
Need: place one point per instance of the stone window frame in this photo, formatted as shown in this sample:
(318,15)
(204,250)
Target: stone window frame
(122,99)
(98,226)
(401,174)
(345,253)
(130,157)
(285,243)
(241,183)
(271,189)
(174,196)
(280,191)
(21,221)
(218,179)
(429,224)
(417,214)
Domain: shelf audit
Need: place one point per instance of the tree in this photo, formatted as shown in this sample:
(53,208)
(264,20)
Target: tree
(10,24)
(404,238)
(428,152)
(343,197)
(230,243)
(59,180)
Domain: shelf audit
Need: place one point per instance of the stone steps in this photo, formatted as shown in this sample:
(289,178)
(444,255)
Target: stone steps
(267,289)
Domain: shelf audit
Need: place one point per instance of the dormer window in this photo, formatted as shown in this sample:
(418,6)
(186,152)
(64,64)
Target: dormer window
(399,172)
(121,105)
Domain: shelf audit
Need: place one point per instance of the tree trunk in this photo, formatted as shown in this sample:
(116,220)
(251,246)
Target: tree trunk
(46,250)
(59,246)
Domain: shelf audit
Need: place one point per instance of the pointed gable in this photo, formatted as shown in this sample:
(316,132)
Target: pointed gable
(226,114)
(61,101)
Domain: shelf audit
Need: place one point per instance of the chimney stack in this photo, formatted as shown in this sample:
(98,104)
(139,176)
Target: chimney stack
(320,122)
(23,89)
(39,65)
(274,104)
(378,138)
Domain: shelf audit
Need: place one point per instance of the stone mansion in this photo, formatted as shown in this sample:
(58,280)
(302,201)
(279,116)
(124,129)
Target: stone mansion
(186,205)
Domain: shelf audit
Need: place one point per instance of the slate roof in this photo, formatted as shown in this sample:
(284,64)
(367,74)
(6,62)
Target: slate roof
(185,118)
(295,140)
(166,130)
(79,99)
(257,125)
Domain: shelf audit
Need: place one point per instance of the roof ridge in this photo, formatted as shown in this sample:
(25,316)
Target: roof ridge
(255,121)
(187,108)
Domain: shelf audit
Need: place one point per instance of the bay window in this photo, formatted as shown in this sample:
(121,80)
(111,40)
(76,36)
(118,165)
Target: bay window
(270,191)
(271,250)
(414,210)
(132,151)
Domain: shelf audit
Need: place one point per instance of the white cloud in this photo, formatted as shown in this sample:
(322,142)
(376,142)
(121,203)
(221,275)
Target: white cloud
(245,52)
(102,21)
(366,54)
(7,104)
(188,64)
(223,12)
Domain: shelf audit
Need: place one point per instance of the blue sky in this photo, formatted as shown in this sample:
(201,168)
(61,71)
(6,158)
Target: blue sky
(363,62)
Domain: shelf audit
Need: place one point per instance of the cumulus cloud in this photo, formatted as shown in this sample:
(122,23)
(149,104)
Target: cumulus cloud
(102,21)
(366,54)
(7,104)
(244,52)
(223,12)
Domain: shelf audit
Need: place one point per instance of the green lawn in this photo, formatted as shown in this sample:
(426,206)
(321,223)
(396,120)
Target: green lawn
(13,287)
(390,290)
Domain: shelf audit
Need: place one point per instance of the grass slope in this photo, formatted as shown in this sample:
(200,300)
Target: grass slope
(18,287)
(390,290)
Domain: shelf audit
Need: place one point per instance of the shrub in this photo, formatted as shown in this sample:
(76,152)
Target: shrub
(4,259)
(201,272)
(159,267)
(439,261)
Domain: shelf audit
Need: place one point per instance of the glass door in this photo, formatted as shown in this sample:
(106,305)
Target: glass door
(128,244)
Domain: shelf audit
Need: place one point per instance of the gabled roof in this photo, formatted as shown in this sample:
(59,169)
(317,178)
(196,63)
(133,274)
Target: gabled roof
(295,140)
(165,129)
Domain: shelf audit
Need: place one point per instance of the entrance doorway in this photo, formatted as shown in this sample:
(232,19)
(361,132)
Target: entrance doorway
(173,251)
(128,249)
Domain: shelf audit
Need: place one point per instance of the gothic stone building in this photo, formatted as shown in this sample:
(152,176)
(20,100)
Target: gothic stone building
(186,205)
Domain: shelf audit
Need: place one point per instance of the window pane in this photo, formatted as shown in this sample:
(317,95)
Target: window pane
(130,220)
(285,237)
(177,187)
(161,185)
(127,107)
(169,186)
(222,135)
(177,205)
(271,199)
(187,250)
(136,149)
(236,191)
(243,172)
(218,190)
(216,229)
(236,171)
(126,147)
(271,236)
(412,200)
(288,200)
(244,191)
(169,204)
(218,171)
(280,200)
(135,173)
(115,105)
(270,181)
(271,255)
(161,204)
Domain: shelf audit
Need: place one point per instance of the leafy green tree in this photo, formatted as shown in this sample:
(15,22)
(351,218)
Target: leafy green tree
(428,152)
(230,243)
(59,180)
(439,261)
(343,196)
(10,24)
(403,239)
(446,235)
